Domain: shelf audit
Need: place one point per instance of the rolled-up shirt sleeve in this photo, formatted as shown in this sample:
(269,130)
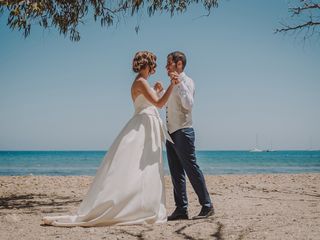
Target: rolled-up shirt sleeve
(186,93)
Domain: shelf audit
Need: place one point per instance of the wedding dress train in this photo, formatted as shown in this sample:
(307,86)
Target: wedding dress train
(129,184)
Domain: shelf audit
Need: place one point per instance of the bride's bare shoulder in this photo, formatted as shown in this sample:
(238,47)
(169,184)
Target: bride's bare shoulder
(137,86)
(140,83)
(140,80)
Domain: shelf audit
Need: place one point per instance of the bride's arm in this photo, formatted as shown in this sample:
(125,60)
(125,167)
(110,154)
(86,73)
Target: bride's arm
(145,89)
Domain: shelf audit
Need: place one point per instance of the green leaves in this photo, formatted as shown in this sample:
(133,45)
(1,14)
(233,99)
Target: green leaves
(66,15)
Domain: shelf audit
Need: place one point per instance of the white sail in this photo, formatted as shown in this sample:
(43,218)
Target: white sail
(256,149)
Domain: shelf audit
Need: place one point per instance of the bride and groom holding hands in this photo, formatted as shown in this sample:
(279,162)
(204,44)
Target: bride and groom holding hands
(129,184)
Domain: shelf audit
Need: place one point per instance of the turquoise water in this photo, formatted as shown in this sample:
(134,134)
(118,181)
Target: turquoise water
(211,162)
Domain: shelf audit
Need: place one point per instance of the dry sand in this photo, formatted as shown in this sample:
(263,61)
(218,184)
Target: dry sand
(282,206)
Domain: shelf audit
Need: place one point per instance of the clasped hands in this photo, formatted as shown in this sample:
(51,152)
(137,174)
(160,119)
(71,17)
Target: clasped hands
(174,78)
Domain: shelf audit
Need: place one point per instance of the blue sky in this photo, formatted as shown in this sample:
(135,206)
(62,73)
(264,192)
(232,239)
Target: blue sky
(60,95)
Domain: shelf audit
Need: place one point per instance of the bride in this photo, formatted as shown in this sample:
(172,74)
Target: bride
(129,185)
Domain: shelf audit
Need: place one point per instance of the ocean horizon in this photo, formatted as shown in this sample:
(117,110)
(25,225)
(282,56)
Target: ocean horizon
(220,162)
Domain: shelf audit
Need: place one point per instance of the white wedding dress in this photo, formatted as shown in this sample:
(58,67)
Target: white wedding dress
(129,185)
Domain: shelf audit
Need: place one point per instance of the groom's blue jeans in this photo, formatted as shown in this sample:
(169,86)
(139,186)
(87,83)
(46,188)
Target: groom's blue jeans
(182,160)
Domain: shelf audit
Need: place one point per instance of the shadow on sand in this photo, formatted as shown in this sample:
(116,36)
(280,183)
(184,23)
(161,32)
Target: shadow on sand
(35,201)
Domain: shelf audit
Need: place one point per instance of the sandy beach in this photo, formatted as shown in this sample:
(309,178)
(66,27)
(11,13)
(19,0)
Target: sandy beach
(284,206)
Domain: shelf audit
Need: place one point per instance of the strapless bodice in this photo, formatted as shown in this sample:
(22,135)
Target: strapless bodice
(142,105)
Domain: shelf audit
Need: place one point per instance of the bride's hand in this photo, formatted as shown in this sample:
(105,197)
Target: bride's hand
(158,86)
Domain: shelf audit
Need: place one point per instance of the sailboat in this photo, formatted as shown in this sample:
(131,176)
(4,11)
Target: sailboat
(256,149)
(270,149)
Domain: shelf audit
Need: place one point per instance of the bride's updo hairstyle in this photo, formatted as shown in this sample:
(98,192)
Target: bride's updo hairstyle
(143,59)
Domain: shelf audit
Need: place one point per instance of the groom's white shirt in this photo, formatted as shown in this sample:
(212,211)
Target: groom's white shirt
(180,103)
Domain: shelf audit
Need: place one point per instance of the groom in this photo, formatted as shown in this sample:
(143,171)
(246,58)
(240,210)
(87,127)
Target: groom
(181,154)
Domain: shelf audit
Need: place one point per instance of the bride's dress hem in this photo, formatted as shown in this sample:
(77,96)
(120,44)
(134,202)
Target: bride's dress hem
(128,187)
(51,222)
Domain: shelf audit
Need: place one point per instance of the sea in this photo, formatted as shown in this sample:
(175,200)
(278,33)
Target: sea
(73,163)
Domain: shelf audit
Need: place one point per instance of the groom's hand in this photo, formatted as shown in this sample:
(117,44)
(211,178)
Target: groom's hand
(174,76)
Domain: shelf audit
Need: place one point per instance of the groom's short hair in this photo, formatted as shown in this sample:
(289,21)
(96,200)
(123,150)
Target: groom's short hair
(178,56)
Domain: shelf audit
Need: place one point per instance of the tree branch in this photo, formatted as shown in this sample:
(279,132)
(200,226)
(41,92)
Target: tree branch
(66,15)
(296,27)
(308,14)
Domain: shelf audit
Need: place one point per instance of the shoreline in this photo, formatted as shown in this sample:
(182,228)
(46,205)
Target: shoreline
(168,175)
(257,206)
(199,150)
